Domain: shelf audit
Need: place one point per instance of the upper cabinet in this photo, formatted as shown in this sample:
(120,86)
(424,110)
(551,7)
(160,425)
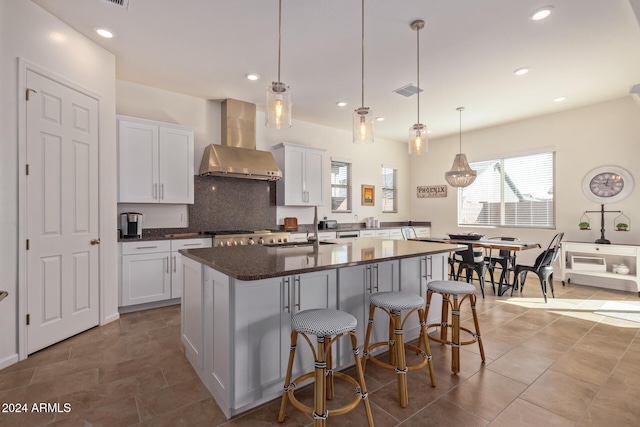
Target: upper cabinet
(303,178)
(155,162)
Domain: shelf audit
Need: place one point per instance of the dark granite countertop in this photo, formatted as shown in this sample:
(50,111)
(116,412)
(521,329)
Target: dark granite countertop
(186,233)
(262,262)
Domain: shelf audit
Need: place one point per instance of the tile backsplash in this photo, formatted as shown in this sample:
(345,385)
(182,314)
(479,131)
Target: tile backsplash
(232,204)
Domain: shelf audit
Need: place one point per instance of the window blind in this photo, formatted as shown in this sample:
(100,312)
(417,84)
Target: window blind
(511,192)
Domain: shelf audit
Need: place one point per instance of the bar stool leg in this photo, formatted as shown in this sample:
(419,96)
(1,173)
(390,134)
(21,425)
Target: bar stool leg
(455,335)
(329,358)
(320,391)
(472,301)
(287,381)
(400,360)
(392,342)
(367,338)
(444,317)
(425,344)
(360,373)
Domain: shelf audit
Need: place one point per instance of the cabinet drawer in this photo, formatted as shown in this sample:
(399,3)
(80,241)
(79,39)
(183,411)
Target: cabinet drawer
(176,245)
(146,247)
(601,249)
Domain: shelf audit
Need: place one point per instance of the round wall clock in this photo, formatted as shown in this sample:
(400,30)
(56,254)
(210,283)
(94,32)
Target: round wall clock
(607,184)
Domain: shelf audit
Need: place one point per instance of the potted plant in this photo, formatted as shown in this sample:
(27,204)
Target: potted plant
(584,225)
(621,226)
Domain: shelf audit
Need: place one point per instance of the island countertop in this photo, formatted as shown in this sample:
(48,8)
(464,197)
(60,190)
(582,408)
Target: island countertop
(262,262)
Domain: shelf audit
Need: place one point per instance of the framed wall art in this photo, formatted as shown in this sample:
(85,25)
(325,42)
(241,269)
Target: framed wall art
(368,192)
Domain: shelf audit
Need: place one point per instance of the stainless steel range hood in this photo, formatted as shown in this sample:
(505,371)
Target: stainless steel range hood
(237,156)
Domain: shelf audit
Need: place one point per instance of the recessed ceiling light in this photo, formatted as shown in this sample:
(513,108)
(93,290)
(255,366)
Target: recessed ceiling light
(253,76)
(521,71)
(541,13)
(559,98)
(104,33)
(379,119)
(341,103)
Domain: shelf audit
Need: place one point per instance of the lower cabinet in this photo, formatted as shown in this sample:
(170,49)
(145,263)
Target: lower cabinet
(415,274)
(356,284)
(237,333)
(151,271)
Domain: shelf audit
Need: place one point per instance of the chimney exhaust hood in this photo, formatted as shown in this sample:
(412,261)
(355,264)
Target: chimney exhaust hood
(237,156)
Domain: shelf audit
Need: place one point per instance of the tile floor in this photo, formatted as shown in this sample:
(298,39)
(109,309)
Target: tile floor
(557,364)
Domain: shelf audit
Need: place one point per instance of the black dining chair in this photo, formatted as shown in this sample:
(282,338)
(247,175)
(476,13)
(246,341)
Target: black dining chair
(543,267)
(503,259)
(471,260)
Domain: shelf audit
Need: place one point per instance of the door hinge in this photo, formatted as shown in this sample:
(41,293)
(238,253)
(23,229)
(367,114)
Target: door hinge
(26,169)
(27,244)
(27,92)
(28,319)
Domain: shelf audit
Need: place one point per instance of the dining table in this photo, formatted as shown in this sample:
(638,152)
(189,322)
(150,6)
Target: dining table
(501,245)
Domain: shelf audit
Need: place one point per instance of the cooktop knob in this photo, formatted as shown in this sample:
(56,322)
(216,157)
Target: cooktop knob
(251,242)
(261,241)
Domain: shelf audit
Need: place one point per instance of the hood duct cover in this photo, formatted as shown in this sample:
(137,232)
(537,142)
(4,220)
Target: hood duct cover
(237,157)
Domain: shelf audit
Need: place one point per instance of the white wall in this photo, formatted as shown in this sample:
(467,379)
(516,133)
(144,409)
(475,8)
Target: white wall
(155,104)
(585,138)
(30,33)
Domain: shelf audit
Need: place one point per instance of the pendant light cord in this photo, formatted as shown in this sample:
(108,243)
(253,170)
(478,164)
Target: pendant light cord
(418,77)
(362,53)
(461,109)
(279,34)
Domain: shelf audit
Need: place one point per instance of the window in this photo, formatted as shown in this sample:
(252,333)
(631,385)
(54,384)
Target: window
(389,189)
(511,192)
(340,186)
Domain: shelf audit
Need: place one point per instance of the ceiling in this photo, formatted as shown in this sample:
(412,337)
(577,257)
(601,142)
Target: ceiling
(587,51)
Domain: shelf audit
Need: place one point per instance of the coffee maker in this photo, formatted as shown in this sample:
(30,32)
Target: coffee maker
(131,224)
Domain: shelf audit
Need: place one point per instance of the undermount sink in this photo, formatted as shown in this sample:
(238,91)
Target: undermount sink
(293,244)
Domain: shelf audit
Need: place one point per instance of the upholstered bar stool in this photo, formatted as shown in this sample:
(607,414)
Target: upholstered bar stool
(451,292)
(393,303)
(324,324)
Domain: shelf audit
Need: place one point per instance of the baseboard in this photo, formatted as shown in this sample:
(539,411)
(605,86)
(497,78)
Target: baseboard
(9,360)
(111,318)
(149,305)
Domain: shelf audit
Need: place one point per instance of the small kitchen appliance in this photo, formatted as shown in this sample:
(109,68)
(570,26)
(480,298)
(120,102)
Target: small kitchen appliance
(328,224)
(131,224)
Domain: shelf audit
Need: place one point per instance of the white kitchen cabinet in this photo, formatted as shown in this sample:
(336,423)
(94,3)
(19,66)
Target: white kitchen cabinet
(303,177)
(602,274)
(260,324)
(152,270)
(356,286)
(155,162)
(415,274)
(396,234)
(382,233)
(368,233)
(322,236)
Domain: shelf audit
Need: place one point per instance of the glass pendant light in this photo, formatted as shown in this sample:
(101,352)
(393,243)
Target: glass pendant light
(363,116)
(461,174)
(418,132)
(278,114)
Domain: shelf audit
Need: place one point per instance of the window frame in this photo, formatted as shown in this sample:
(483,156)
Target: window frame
(502,188)
(348,186)
(393,190)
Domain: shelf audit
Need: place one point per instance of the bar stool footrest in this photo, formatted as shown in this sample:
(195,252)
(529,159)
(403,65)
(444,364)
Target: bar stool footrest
(385,365)
(337,411)
(448,342)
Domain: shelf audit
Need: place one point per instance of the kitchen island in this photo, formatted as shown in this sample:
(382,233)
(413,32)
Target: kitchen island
(238,301)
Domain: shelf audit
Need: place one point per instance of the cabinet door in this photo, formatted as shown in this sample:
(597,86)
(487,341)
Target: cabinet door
(382,234)
(314,177)
(177,279)
(261,338)
(192,312)
(309,291)
(353,299)
(383,277)
(396,234)
(145,278)
(176,165)
(294,187)
(367,233)
(137,162)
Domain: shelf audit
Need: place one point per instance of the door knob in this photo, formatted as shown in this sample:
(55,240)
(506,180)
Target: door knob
(95,241)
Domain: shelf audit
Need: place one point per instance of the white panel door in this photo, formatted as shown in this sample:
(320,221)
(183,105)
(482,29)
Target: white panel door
(176,165)
(62,212)
(138,162)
